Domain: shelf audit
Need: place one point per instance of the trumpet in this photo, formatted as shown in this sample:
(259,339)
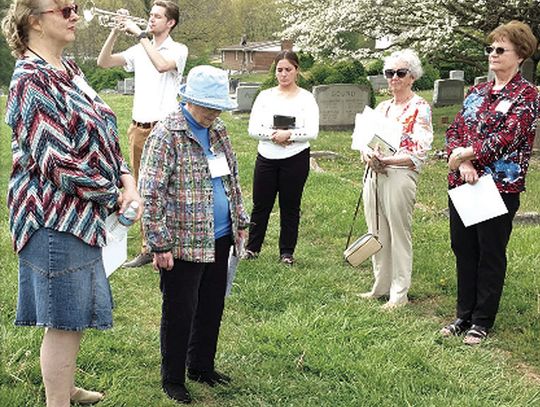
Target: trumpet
(110,19)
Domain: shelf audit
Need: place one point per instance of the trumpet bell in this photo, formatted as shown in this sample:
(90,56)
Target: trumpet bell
(88,15)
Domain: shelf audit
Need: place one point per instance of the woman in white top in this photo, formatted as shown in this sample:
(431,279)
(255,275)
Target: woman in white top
(391,180)
(283,119)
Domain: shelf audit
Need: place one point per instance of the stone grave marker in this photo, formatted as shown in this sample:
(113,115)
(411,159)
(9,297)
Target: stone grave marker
(378,82)
(448,92)
(129,86)
(339,103)
(245,96)
(120,87)
(480,79)
(457,75)
(527,69)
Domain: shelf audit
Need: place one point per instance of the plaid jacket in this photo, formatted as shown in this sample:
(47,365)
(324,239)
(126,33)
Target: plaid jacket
(175,182)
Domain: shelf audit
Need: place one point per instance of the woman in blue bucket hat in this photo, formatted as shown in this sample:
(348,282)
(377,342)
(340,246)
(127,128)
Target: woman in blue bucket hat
(193,214)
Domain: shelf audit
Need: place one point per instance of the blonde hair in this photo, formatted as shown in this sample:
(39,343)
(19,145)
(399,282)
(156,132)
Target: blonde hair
(15,24)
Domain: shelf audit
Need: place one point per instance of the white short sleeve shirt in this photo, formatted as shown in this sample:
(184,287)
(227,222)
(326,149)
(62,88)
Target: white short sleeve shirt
(155,93)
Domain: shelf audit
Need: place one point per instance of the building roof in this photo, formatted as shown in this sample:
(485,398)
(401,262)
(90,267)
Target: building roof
(261,46)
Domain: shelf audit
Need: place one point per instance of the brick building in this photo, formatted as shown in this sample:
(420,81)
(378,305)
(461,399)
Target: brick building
(252,56)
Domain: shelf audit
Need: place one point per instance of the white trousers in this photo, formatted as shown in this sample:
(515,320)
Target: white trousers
(392,265)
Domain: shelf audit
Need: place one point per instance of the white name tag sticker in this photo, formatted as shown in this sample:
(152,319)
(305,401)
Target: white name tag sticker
(218,166)
(85,87)
(503,106)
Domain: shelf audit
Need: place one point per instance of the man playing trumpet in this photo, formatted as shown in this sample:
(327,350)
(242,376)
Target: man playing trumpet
(158,65)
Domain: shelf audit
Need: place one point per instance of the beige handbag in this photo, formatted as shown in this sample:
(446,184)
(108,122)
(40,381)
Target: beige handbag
(366,245)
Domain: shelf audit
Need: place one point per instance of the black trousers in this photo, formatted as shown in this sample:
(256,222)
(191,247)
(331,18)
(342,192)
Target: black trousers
(286,177)
(480,252)
(193,300)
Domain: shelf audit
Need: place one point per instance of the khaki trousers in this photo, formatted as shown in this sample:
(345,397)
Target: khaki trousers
(392,265)
(137,137)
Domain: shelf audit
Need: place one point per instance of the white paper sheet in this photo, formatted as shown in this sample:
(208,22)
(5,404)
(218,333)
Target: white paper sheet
(115,253)
(371,123)
(479,202)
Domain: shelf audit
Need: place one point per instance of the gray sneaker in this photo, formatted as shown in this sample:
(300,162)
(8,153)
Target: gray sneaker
(139,261)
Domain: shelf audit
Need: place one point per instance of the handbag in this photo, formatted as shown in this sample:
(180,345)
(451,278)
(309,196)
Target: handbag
(366,245)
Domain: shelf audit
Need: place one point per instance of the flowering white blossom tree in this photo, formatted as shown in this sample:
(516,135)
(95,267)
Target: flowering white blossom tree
(444,30)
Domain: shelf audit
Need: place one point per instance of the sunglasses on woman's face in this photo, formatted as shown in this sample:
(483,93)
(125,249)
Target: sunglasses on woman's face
(401,73)
(498,50)
(66,11)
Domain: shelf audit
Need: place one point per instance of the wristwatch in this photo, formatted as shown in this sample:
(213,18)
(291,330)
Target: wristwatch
(142,35)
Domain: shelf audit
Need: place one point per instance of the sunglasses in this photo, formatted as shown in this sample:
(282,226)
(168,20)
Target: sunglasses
(401,73)
(498,50)
(66,11)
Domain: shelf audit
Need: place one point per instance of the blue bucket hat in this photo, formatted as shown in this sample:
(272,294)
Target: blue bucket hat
(207,86)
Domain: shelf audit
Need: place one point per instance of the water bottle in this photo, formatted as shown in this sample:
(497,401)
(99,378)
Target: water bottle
(123,221)
(128,217)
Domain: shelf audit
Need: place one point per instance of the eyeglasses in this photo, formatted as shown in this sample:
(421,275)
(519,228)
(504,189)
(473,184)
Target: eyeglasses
(498,50)
(66,11)
(401,73)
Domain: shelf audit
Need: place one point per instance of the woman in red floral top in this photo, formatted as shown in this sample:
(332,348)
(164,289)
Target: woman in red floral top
(391,180)
(492,134)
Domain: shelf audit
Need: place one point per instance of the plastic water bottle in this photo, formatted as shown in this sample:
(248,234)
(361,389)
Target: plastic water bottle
(119,228)
(128,217)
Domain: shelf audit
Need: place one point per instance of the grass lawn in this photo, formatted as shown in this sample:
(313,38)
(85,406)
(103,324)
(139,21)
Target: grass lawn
(300,336)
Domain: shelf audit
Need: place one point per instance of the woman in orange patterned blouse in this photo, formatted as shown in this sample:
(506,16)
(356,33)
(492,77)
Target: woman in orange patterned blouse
(391,180)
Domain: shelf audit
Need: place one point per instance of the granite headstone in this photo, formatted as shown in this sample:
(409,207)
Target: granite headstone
(448,92)
(378,82)
(245,96)
(457,75)
(339,103)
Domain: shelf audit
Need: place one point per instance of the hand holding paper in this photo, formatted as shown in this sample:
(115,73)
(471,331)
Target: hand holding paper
(374,130)
(479,202)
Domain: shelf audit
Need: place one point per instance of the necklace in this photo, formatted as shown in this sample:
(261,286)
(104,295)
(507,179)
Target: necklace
(43,59)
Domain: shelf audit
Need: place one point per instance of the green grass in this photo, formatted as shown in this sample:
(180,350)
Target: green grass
(300,336)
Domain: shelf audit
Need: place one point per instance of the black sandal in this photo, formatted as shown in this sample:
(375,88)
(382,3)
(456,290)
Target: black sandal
(249,255)
(287,259)
(456,328)
(475,335)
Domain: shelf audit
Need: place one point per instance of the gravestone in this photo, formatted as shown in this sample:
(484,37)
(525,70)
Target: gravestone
(448,92)
(378,82)
(120,87)
(249,83)
(527,69)
(339,103)
(129,86)
(480,79)
(245,96)
(457,75)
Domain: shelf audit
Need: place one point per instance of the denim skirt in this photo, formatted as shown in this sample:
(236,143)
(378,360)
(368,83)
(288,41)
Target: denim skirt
(62,284)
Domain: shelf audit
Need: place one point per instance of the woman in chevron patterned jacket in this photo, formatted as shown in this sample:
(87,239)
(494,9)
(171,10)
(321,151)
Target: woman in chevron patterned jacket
(68,175)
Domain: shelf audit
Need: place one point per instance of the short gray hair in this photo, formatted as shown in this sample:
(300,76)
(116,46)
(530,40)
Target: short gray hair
(410,57)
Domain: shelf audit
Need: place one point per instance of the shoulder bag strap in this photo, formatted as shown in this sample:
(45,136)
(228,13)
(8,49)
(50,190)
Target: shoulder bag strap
(368,170)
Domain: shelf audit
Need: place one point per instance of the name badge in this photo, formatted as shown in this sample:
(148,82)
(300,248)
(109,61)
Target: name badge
(85,87)
(218,166)
(503,106)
